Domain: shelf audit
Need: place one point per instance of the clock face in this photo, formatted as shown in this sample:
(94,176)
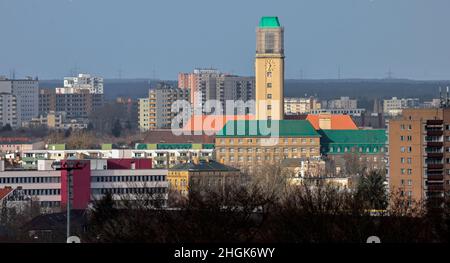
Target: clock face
(269,65)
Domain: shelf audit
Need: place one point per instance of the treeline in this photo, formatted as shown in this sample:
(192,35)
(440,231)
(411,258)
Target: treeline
(265,209)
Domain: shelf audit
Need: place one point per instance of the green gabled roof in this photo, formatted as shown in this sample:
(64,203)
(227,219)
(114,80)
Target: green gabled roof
(269,22)
(171,146)
(204,166)
(377,136)
(267,128)
(208,146)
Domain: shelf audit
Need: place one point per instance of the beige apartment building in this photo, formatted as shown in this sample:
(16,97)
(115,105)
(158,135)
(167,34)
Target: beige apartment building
(296,106)
(419,154)
(155,111)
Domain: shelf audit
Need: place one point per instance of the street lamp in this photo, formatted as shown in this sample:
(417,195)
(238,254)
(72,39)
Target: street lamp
(69,166)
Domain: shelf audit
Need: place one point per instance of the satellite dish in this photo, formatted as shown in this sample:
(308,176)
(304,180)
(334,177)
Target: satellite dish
(73,239)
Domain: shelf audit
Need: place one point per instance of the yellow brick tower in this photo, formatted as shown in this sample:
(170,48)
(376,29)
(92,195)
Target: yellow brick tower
(269,69)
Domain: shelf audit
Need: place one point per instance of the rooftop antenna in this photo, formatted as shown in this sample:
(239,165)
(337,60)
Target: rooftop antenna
(12,73)
(339,72)
(390,74)
(447,99)
(119,73)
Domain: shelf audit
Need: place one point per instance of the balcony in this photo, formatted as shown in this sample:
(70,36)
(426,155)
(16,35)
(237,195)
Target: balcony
(435,177)
(435,187)
(435,122)
(435,155)
(435,166)
(435,144)
(435,132)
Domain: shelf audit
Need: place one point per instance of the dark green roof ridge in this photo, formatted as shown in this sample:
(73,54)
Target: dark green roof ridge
(264,128)
(203,166)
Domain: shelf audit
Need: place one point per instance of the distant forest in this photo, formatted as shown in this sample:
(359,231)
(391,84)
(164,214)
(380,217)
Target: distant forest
(365,90)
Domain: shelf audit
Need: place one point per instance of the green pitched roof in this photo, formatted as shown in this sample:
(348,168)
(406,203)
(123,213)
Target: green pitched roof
(267,128)
(377,136)
(204,166)
(269,22)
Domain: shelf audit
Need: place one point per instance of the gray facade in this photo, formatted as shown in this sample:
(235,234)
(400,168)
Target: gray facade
(27,94)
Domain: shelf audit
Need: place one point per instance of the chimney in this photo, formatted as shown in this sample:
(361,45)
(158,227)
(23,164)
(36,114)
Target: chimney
(325,121)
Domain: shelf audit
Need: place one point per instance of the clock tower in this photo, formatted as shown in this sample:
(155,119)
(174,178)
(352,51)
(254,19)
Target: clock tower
(269,70)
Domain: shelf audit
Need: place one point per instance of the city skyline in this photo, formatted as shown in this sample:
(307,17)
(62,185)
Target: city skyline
(349,39)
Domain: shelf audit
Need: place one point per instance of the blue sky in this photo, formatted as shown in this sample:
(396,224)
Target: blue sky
(147,38)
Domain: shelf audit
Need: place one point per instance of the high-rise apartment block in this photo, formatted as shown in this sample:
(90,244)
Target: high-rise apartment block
(8,110)
(27,95)
(394,106)
(211,84)
(342,103)
(235,88)
(155,112)
(269,69)
(76,103)
(85,81)
(419,154)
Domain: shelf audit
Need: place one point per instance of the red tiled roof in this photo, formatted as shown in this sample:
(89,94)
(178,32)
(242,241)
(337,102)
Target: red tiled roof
(5,191)
(338,121)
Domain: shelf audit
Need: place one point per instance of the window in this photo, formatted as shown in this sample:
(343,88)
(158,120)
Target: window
(409,138)
(269,42)
(269,74)
(402,160)
(409,171)
(402,171)
(269,107)
(269,96)
(269,85)
(402,138)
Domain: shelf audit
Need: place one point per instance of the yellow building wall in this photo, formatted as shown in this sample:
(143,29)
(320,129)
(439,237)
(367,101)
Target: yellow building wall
(269,68)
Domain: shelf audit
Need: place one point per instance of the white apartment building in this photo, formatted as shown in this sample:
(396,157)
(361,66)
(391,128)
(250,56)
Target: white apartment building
(163,156)
(351,112)
(342,103)
(394,106)
(295,106)
(84,81)
(8,110)
(27,96)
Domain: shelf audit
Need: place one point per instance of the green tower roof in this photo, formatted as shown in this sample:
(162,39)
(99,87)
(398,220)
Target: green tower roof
(269,21)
